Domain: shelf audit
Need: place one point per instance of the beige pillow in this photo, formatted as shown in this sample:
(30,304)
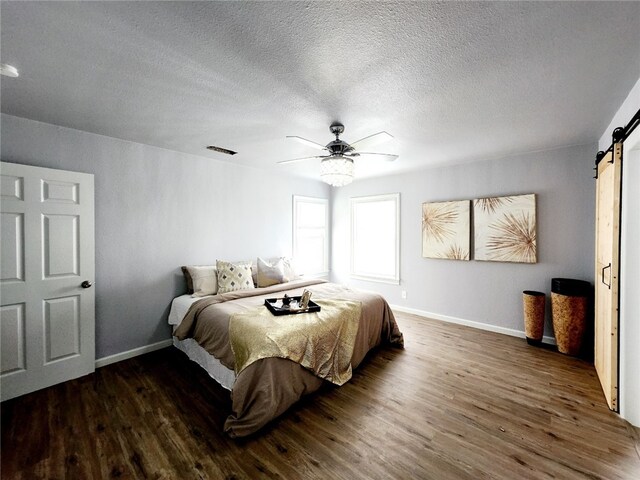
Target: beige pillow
(234,276)
(204,280)
(271,273)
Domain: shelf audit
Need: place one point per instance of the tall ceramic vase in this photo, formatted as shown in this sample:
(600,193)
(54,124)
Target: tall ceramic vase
(533,305)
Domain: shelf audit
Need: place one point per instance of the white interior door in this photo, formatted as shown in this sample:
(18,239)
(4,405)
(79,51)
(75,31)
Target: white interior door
(47,317)
(607,273)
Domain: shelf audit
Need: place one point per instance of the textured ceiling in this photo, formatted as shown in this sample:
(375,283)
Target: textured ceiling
(453,82)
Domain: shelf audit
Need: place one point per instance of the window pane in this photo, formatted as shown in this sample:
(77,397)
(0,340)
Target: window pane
(374,237)
(311,214)
(310,234)
(310,254)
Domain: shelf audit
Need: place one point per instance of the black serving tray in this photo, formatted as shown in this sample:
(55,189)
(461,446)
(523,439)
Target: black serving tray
(270,303)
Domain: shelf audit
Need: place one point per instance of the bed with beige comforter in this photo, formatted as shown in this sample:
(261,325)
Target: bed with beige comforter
(277,360)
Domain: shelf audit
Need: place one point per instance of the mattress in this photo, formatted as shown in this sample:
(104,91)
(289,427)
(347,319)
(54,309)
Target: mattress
(193,350)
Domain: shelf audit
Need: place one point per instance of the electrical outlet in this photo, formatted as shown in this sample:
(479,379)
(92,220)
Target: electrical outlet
(404,294)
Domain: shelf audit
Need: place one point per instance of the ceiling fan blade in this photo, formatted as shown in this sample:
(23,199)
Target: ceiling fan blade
(389,157)
(306,142)
(372,140)
(294,160)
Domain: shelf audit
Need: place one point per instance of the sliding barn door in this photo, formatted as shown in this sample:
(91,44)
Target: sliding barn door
(608,185)
(47,303)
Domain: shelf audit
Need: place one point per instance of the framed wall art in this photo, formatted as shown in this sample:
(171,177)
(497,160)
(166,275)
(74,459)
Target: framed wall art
(445,230)
(505,229)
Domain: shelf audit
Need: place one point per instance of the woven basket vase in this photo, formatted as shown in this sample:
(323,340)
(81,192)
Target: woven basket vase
(533,305)
(569,318)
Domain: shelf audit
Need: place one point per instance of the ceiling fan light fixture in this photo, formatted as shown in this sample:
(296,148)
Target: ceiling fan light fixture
(337,171)
(337,167)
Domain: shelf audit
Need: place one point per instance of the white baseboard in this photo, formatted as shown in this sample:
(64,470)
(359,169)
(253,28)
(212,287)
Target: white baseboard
(469,323)
(118,357)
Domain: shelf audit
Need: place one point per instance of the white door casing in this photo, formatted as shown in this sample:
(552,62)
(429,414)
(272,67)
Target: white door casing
(47,318)
(629,388)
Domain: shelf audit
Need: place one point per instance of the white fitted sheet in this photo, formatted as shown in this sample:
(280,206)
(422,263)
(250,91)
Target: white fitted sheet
(179,308)
(194,351)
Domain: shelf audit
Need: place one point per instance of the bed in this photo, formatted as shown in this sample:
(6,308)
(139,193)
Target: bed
(262,388)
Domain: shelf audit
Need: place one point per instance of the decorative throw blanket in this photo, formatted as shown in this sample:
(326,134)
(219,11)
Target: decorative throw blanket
(322,342)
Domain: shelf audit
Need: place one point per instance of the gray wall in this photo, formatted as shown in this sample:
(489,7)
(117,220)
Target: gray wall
(626,111)
(156,210)
(486,292)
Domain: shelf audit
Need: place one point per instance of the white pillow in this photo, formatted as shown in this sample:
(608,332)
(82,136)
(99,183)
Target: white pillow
(234,276)
(289,267)
(204,280)
(271,273)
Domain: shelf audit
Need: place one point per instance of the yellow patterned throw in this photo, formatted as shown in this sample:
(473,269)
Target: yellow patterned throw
(322,342)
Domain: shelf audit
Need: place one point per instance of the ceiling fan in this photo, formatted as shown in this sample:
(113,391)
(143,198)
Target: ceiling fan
(336,167)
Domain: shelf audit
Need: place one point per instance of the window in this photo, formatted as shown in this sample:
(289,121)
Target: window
(375,238)
(311,235)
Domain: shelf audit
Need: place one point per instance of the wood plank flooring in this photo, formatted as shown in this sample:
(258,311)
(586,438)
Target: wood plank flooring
(456,403)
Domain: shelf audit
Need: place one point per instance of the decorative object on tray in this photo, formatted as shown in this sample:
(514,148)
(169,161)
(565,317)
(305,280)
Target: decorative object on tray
(304,299)
(445,230)
(505,229)
(292,305)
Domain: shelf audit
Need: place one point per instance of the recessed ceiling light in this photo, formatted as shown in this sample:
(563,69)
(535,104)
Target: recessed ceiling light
(8,70)
(221,150)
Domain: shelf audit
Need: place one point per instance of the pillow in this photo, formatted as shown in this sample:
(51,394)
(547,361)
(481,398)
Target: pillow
(289,268)
(201,280)
(271,273)
(187,278)
(254,270)
(234,276)
(254,274)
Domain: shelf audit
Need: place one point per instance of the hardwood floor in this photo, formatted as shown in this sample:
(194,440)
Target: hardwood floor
(457,403)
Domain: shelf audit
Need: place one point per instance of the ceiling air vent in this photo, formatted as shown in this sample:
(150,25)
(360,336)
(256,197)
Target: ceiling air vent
(221,150)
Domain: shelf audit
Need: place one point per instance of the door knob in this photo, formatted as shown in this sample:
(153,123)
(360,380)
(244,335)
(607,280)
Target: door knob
(86,284)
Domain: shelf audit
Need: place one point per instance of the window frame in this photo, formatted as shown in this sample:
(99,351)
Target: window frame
(316,200)
(354,201)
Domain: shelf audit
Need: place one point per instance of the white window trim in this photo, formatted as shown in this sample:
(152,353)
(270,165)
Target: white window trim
(395,280)
(325,202)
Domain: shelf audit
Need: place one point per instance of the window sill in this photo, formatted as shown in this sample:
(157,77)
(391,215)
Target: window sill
(391,281)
